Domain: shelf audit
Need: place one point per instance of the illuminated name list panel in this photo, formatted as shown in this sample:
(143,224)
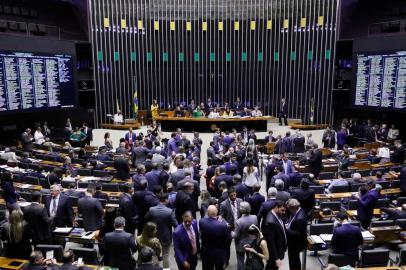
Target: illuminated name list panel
(35,81)
(381,80)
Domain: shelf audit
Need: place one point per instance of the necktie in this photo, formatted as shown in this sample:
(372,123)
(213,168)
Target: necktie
(192,240)
(235,211)
(130,138)
(53,212)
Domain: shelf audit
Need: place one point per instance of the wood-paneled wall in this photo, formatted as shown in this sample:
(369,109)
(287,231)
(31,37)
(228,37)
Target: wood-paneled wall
(176,50)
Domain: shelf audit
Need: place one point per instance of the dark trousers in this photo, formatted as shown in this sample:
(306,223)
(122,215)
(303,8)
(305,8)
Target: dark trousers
(208,265)
(271,265)
(192,262)
(285,118)
(294,259)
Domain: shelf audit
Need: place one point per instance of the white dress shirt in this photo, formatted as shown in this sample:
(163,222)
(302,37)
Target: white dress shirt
(52,210)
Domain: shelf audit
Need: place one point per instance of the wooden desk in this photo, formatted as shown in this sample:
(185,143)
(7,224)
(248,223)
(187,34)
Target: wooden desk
(5,263)
(385,234)
(22,186)
(205,124)
(353,213)
(121,126)
(342,195)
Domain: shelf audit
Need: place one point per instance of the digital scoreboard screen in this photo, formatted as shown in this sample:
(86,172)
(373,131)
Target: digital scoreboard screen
(380,80)
(36,82)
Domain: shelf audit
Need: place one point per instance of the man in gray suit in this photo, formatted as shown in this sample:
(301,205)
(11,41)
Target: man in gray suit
(210,151)
(240,234)
(91,210)
(281,195)
(178,175)
(139,154)
(26,140)
(230,208)
(164,218)
(158,158)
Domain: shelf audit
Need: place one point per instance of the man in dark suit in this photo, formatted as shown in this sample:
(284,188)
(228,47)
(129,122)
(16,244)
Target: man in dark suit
(68,262)
(26,140)
(366,205)
(398,155)
(122,168)
(99,194)
(270,138)
(119,247)
(305,196)
(139,153)
(153,176)
(230,208)
(315,160)
(38,221)
(346,238)
(130,138)
(228,179)
(178,175)
(89,133)
(287,143)
(186,242)
(267,206)
(127,208)
(216,238)
(283,112)
(146,254)
(91,210)
(184,201)
(402,178)
(59,208)
(275,236)
(287,164)
(296,232)
(282,176)
(256,199)
(164,218)
(241,189)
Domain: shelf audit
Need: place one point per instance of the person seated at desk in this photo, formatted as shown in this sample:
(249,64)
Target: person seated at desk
(69,263)
(228,113)
(357,178)
(398,155)
(203,107)
(394,213)
(178,112)
(383,153)
(192,106)
(38,136)
(213,113)
(77,137)
(346,238)
(237,104)
(256,112)
(337,182)
(118,118)
(245,112)
(37,262)
(198,113)
(154,109)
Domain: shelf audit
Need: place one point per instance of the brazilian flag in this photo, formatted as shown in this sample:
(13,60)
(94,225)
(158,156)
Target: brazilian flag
(135,101)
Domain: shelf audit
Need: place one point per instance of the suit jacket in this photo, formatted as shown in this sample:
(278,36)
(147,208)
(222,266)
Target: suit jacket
(255,201)
(89,134)
(306,199)
(122,168)
(119,247)
(227,212)
(284,108)
(128,136)
(283,196)
(139,155)
(264,210)
(216,238)
(242,191)
(268,140)
(366,205)
(176,177)
(182,245)
(341,137)
(241,236)
(164,218)
(127,210)
(26,140)
(289,168)
(164,177)
(398,155)
(315,162)
(153,179)
(183,203)
(402,178)
(299,144)
(297,231)
(211,153)
(287,145)
(275,236)
(283,177)
(64,212)
(38,223)
(346,239)
(92,213)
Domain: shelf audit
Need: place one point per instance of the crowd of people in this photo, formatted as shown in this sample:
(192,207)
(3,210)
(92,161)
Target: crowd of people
(162,205)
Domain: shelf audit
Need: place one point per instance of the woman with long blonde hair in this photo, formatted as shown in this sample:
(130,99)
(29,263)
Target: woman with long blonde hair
(148,239)
(18,238)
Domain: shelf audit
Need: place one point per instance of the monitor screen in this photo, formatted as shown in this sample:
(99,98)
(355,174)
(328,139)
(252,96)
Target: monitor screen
(380,80)
(36,82)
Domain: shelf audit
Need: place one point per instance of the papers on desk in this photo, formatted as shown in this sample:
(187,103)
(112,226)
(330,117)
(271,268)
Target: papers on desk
(331,159)
(63,230)
(24,204)
(316,239)
(326,237)
(88,235)
(367,235)
(33,160)
(25,186)
(89,178)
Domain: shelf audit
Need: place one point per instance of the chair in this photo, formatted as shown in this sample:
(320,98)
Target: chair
(353,205)
(334,206)
(346,174)
(84,172)
(109,163)
(82,184)
(374,258)
(110,187)
(26,196)
(382,203)
(77,161)
(67,183)
(401,223)
(402,257)
(322,228)
(58,250)
(395,184)
(354,187)
(400,201)
(100,173)
(339,189)
(326,175)
(103,202)
(73,200)
(382,223)
(317,189)
(384,184)
(89,255)
(23,165)
(340,260)
(32,180)
(364,173)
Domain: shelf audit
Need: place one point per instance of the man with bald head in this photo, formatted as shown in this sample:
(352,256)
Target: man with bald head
(215,237)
